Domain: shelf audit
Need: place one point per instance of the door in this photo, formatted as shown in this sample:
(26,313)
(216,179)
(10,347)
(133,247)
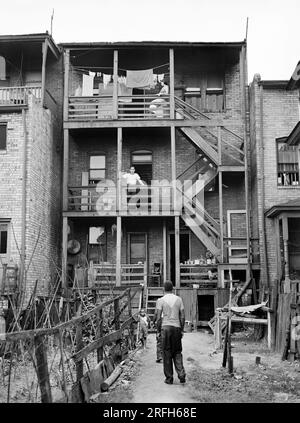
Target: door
(184,252)
(4,246)
(137,247)
(142,161)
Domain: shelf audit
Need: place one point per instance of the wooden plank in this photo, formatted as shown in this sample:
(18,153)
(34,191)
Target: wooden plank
(66,84)
(177,252)
(79,346)
(117,123)
(221,211)
(172,82)
(111,337)
(42,369)
(118,251)
(115,89)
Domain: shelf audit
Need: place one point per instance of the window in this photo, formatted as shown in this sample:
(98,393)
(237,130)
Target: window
(3,130)
(3,237)
(97,169)
(209,94)
(137,247)
(287,164)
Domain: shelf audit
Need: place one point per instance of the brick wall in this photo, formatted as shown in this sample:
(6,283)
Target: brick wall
(43,217)
(279,109)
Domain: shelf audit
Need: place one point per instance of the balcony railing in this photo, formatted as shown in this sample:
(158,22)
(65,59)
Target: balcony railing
(18,96)
(133,107)
(153,199)
(105,274)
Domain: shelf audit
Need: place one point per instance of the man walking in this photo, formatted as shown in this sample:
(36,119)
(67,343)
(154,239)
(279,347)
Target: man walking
(171,308)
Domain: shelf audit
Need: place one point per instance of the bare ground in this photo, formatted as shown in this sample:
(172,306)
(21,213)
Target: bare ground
(207,382)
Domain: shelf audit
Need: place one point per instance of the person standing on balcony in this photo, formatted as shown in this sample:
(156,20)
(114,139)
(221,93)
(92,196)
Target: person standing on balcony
(171,308)
(132,180)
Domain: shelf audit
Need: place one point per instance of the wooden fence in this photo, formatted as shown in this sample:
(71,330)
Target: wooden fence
(79,343)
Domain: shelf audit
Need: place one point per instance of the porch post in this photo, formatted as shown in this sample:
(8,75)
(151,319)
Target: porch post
(119,170)
(164,250)
(66,84)
(177,252)
(118,251)
(115,89)
(173,167)
(64,252)
(221,194)
(287,283)
(172,100)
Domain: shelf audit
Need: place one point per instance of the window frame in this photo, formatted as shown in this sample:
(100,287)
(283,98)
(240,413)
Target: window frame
(97,154)
(7,253)
(282,141)
(4,124)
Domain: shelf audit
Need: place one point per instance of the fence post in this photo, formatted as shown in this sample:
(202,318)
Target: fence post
(42,369)
(79,346)
(100,334)
(117,313)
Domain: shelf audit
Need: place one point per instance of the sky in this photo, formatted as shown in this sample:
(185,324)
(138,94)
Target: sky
(273,36)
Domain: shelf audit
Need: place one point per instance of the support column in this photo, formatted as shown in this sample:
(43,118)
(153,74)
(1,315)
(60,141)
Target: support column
(119,170)
(287,283)
(66,170)
(118,251)
(177,252)
(173,166)
(164,250)
(172,83)
(66,84)
(221,194)
(115,89)
(64,253)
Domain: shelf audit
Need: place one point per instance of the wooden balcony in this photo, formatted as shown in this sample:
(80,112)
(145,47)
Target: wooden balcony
(199,275)
(17,97)
(135,107)
(102,201)
(101,274)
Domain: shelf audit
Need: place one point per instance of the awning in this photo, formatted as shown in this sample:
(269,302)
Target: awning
(290,206)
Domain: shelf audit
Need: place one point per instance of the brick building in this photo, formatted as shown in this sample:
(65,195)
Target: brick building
(31,77)
(275,203)
(195,231)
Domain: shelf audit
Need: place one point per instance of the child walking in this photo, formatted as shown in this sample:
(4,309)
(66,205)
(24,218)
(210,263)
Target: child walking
(144,322)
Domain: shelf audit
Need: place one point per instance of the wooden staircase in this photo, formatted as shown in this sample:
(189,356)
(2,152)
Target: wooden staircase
(152,295)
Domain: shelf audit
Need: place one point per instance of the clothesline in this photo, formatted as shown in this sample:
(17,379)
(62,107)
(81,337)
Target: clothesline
(83,67)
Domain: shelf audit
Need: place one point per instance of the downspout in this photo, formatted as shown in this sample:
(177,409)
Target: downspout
(23,210)
(262,190)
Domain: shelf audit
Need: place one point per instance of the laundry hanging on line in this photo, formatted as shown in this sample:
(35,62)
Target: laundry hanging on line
(139,78)
(124,91)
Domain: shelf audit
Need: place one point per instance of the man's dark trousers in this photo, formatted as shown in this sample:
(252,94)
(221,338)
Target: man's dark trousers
(172,348)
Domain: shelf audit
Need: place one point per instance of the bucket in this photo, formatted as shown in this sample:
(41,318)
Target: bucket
(188,326)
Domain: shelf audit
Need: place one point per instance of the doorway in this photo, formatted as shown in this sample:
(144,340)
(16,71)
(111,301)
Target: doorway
(184,252)
(142,161)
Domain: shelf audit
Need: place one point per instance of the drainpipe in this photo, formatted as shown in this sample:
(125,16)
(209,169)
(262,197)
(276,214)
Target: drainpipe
(262,191)
(23,209)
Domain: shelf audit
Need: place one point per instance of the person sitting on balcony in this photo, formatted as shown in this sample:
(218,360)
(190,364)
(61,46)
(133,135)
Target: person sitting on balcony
(157,106)
(132,180)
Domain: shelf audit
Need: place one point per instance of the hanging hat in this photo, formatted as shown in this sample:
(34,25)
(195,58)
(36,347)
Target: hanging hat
(73,246)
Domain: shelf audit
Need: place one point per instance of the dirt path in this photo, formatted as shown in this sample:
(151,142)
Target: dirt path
(207,381)
(149,385)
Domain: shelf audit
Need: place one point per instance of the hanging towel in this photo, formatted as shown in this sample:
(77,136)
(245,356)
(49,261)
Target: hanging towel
(87,85)
(106,80)
(140,78)
(124,91)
